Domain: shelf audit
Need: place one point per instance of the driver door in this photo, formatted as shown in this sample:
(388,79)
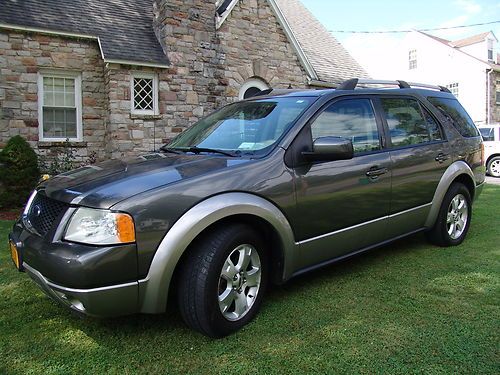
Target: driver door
(342,205)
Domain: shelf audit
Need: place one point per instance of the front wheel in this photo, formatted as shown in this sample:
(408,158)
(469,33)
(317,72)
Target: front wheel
(223,279)
(454,217)
(494,167)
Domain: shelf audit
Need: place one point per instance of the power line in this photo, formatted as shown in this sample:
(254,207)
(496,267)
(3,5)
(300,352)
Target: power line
(409,31)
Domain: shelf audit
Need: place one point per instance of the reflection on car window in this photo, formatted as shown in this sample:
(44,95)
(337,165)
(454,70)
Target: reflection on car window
(352,119)
(244,126)
(454,111)
(406,123)
(487,133)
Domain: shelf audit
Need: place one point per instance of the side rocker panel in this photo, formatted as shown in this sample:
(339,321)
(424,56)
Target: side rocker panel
(153,290)
(452,172)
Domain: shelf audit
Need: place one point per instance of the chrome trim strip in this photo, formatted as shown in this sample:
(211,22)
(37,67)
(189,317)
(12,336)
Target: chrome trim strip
(75,290)
(361,224)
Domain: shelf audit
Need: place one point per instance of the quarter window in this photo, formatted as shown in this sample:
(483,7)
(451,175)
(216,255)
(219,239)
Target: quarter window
(144,98)
(406,123)
(352,119)
(59,107)
(455,113)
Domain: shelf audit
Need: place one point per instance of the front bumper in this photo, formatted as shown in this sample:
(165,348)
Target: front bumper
(105,301)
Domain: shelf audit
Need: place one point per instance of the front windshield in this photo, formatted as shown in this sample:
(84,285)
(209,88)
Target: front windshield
(248,126)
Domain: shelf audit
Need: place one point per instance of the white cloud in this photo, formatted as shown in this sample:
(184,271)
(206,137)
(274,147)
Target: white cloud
(468,6)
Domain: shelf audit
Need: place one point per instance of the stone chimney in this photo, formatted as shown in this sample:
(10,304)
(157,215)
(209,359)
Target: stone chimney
(187,34)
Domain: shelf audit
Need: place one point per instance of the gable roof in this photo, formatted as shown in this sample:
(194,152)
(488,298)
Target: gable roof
(329,59)
(470,40)
(124,29)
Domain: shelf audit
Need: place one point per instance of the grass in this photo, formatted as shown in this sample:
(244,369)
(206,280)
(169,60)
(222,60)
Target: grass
(406,308)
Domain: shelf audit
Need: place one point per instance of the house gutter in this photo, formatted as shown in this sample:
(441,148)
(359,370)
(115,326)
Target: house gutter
(488,97)
(81,36)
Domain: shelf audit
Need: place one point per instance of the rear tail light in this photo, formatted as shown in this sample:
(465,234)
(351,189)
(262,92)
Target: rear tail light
(482,153)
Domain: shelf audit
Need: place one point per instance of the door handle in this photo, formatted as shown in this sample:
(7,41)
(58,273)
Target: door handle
(374,172)
(441,158)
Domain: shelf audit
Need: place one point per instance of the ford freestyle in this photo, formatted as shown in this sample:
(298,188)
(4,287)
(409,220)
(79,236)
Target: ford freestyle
(256,193)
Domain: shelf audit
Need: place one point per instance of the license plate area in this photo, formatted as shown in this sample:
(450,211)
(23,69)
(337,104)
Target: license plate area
(14,254)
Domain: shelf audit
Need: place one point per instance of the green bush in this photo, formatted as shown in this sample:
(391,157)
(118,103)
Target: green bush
(19,172)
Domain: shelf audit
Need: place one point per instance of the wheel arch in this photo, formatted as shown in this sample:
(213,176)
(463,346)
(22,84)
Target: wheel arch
(217,210)
(459,171)
(491,157)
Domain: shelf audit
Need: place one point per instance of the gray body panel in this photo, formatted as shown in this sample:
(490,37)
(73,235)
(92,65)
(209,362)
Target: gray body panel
(320,212)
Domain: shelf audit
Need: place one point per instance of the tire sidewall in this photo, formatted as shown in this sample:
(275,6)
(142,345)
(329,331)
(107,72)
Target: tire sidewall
(241,235)
(490,163)
(454,190)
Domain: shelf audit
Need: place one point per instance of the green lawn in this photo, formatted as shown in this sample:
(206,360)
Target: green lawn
(405,308)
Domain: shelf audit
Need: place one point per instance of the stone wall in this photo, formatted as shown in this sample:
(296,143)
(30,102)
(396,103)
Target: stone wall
(254,45)
(22,56)
(495,87)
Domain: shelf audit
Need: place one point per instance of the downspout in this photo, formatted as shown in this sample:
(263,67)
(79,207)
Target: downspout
(488,97)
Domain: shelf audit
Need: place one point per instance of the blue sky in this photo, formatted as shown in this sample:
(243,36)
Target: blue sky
(375,15)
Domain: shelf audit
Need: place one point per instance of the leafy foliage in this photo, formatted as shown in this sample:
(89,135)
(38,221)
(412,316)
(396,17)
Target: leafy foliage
(19,172)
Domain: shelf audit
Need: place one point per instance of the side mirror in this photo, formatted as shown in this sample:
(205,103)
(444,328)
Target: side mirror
(329,149)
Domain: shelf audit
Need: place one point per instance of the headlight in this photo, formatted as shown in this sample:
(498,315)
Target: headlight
(100,227)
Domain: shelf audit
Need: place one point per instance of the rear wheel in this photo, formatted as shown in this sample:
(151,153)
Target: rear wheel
(454,217)
(222,281)
(494,167)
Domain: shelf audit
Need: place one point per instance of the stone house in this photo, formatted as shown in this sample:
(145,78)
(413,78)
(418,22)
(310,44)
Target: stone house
(117,77)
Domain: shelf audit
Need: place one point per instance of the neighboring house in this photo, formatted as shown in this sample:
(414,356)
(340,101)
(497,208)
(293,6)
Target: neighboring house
(468,67)
(121,77)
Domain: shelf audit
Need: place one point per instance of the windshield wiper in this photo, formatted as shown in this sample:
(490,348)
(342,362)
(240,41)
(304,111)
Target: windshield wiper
(197,150)
(165,148)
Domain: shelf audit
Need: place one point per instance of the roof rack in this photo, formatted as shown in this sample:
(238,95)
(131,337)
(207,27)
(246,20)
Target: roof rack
(351,84)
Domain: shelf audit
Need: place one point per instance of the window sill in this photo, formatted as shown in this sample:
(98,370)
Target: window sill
(135,116)
(73,144)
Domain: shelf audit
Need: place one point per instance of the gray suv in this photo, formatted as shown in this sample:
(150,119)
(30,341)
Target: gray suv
(256,193)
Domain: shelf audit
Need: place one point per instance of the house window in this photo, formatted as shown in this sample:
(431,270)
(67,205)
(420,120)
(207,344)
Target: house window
(490,50)
(59,106)
(144,93)
(498,97)
(412,58)
(453,87)
(251,87)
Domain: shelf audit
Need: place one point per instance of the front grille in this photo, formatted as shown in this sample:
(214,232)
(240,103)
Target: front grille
(44,212)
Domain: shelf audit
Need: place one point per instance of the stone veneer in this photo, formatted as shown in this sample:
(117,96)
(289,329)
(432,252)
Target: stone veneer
(22,56)
(208,67)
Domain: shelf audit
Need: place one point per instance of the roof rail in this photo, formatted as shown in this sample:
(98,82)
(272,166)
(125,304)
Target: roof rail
(351,84)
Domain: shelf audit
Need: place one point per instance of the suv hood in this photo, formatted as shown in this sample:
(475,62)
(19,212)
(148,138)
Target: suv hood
(105,184)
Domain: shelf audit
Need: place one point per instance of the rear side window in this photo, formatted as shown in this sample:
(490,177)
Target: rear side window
(454,111)
(352,119)
(407,124)
(488,134)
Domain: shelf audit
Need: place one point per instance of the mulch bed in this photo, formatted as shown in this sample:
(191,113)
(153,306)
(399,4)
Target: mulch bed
(10,214)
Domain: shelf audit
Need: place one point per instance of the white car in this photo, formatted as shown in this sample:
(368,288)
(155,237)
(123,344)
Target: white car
(491,137)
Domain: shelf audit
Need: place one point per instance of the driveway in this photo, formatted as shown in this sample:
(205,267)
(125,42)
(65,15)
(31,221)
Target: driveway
(493,180)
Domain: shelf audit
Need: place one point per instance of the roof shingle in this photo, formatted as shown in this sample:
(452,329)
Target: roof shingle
(124,28)
(330,60)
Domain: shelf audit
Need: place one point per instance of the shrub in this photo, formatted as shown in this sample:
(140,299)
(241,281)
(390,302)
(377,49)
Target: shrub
(19,172)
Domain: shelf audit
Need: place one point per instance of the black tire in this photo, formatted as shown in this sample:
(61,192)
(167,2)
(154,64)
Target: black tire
(439,233)
(494,166)
(200,280)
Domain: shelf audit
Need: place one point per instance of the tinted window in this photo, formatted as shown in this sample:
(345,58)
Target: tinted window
(432,126)
(487,134)
(352,119)
(452,110)
(406,123)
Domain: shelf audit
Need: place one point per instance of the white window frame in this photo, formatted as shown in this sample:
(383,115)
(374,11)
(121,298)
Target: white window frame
(412,58)
(78,104)
(252,82)
(454,87)
(146,75)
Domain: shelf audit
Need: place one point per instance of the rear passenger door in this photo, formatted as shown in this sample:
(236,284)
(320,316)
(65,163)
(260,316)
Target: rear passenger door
(419,157)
